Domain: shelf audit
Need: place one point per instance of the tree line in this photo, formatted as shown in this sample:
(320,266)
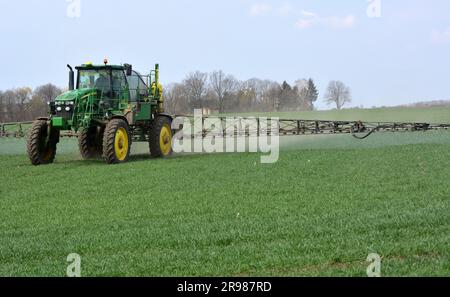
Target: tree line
(225,94)
(24,104)
(215,91)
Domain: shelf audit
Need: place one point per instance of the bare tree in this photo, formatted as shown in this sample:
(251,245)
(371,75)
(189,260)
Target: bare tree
(264,99)
(22,104)
(272,97)
(47,92)
(245,97)
(14,104)
(22,97)
(2,107)
(175,98)
(10,106)
(222,85)
(196,88)
(37,108)
(338,93)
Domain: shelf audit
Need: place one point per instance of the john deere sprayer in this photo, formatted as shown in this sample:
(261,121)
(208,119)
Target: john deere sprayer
(109,106)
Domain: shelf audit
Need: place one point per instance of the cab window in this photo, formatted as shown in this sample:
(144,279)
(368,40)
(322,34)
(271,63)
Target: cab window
(99,79)
(138,89)
(119,84)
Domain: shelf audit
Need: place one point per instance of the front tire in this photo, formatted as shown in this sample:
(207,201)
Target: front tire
(41,147)
(90,142)
(116,142)
(160,138)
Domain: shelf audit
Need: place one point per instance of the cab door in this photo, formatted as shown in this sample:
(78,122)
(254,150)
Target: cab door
(138,88)
(139,96)
(121,91)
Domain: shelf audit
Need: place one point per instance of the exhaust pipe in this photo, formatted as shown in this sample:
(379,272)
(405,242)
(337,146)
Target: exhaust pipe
(71,78)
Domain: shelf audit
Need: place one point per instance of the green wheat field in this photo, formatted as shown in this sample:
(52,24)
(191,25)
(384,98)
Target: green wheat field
(319,211)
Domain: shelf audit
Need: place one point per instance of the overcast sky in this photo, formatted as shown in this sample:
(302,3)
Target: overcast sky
(395,55)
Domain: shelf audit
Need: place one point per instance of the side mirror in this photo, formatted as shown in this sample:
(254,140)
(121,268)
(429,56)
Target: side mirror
(129,69)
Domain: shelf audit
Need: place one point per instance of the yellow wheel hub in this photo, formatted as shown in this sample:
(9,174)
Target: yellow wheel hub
(165,140)
(121,144)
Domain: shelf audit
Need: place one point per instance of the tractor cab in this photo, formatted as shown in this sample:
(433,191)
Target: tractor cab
(109,82)
(114,82)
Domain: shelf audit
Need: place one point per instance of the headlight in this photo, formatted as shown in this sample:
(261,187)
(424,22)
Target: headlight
(59,108)
(67,108)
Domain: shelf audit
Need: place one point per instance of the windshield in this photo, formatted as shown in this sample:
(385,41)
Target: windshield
(94,79)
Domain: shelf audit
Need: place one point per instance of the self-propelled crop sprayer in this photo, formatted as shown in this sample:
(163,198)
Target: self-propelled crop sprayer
(110,106)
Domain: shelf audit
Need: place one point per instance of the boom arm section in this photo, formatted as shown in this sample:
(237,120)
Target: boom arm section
(359,129)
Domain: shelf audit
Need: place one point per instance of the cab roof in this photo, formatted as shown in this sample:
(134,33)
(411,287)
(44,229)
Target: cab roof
(88,66)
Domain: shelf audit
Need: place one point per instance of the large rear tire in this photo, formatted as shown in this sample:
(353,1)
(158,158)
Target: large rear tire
(116,142)
(90,142)
(160,138)
(41,147)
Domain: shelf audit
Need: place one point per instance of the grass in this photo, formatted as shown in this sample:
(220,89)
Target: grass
(319,211)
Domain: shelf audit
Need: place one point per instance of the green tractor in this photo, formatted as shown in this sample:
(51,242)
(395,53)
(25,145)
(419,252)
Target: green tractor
(109,107)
